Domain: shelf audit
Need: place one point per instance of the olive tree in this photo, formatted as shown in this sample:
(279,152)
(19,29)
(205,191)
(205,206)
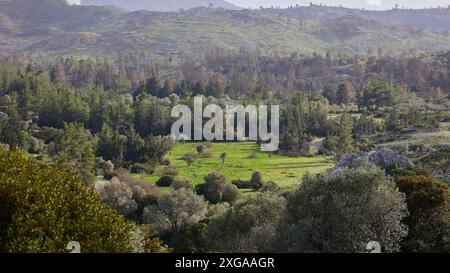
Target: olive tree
(118,195)
(250,226)
(176,209)
(344,212)
(218,189)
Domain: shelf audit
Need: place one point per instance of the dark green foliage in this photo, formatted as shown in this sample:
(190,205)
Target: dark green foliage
(242,184)
(165,181)
(190,239)
(343,213)
(249,226)
(365,125)
(151,118)
(300,120)
(131,148)
(376,95)
(428,202)
(330,93)
(74,146)
(142,168)
(345,137)
(11,128)
(217,189)
(345,93)
(294,134)
(256,183)
(42,209)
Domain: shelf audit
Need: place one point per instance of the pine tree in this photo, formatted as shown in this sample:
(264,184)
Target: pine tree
(330,93)
(74,146)
(345,138)
(345,93)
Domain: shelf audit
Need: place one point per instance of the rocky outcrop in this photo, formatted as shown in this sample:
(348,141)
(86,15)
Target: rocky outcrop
(384,159)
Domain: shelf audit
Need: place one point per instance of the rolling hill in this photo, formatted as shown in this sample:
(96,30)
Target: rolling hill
(53,27)
(159,5)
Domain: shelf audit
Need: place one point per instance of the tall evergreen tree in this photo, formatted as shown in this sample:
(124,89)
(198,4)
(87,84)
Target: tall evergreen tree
(345,138)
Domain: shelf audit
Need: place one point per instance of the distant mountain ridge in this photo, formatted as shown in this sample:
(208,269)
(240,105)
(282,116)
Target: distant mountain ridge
(54,27)
(160,5)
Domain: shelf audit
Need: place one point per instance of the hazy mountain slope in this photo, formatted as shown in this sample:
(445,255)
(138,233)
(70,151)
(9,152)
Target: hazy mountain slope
(159,5)
(29,14)
(430,19)
(58,28)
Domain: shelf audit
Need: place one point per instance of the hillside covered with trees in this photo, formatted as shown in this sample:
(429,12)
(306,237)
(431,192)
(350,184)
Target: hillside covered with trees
(51,27)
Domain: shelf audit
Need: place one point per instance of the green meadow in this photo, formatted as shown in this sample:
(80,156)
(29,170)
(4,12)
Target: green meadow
(242,160)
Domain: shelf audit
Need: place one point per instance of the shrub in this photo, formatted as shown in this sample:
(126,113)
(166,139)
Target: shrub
(118,195)
(176,209)
(217,189)
(270,187)
(249,227)
(170,171)
(201,148)
(179,183)
(256,182)
(344,212)
(125,176)
(42,209)
(150,193)
(428,222)
(242,184)
(190,158)
(165,181)
(142,168)
(108,169)
(230,193)
(36,145)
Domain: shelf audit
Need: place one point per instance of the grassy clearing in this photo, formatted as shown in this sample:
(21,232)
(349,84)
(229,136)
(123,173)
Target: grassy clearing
(242,160)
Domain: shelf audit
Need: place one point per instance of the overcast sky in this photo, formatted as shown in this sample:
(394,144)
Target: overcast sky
(372,4)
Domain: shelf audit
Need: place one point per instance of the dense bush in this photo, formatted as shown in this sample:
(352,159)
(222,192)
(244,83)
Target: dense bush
(165,181)
(250,226)
(142,168)
(118,195)
(270,187)
(179,183)
(428,202)
(201,148)
(344,212)
(174,210)
(42,209)
(217,189)
(242,184)
(256,183)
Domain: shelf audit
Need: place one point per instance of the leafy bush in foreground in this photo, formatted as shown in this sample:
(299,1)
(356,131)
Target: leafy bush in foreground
(342,213)
(42,209)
